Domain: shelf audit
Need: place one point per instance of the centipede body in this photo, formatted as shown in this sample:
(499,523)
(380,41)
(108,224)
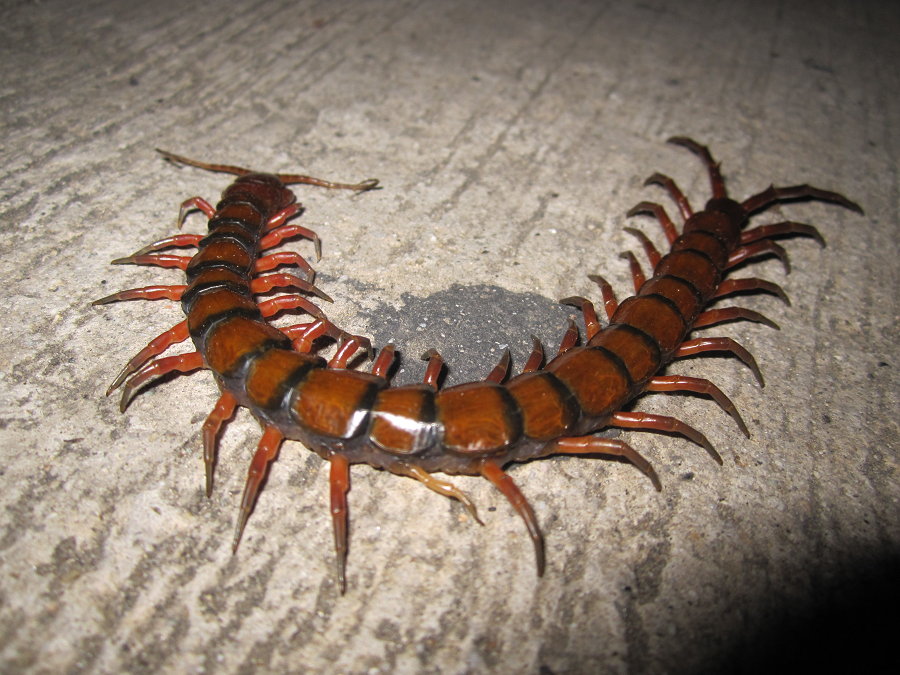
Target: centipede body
(348,416)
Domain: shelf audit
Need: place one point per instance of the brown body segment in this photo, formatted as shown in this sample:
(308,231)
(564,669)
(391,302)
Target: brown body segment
(335,403)
(217,303)
(548,408)
(228,344)
(685,296)
(654,315)
(404,419)
(478,418)
(272,375)
(637,350)
(694,267)
(596,377)
(222,253)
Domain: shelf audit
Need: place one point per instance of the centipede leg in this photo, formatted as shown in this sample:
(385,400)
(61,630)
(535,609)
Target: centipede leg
(721,344)
(275,305)
(270,262)
(382,364)
(501,480)
(773,194)
(640,420)
(652,253)
(498,374)
(780,230)
(730,286)
(715,176)
(145,293)
(177,241)
(610,303)
(657,210)
(670,383)
(159,344)
(440,486)
(570,339)
(222,412)
(714,316)
(591,322)
(592,445)
(674,191)
(164,260)
(760,247)
(276,236)
(637,274)
(536,359)
(267,283)
(195,203)
(434,367)
(183,363)
(279,218)
(265,452)
(340,485)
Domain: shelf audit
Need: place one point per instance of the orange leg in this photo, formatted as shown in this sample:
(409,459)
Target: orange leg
(267,283)
(492,471)
(183,363)
(340,485)
(781,229)
(177,241)
(498,374)
(164,260)
(537,357)
(194,203)
(730,286)
(773,194)
(696,385)
(176,334)
(674,191)
(657,210)
(592,445)
(570,339)
(637,274)
(609,297)
(383,362)
(720,344)
(714,316)
(639,420)
(433,370)
(270,262)
(275,237)
(281,217)
(145,293)
(653,254)
(591,322)
(715,177)
(759,248)
(222,412)
(266,451)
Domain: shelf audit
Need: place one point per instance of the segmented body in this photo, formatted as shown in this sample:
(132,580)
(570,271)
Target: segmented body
(352,417)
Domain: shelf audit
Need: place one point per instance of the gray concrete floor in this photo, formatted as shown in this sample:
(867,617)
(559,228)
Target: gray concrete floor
(511,138)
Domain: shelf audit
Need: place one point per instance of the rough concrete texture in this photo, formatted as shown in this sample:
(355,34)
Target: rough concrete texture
(511,139)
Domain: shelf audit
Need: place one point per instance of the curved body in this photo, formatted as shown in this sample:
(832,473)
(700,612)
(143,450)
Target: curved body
(353,417)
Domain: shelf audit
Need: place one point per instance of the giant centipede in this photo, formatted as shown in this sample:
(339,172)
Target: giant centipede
(479,428)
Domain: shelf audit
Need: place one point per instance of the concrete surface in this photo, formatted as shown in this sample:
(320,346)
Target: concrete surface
(511,139)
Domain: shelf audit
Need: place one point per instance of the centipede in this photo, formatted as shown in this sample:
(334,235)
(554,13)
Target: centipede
(349,416)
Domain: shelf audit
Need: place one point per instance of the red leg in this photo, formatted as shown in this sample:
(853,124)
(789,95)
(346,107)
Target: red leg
(639,420)
(780,230)
(433,370)
(657,210)
(183,363)
(492,471)
(267,283)
(759,248)
(719,345)
(715,316)
(537,357)
(592,445)
(222,412)
(145,293)
(591,322)
(195,203)
(383,362)
(340,485)
(570,339)
(276,236)
(715,177)
(609,297)
(730,286)
(279,218)
(177,241)
(275,305)
(266,451)
(773,194)
(158,260)
(270,262)
(637,274)
(293,179)
(668,383)
(343,354)
(649,248)
(159,344)
(683,205)
(441,487)
(498,374)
